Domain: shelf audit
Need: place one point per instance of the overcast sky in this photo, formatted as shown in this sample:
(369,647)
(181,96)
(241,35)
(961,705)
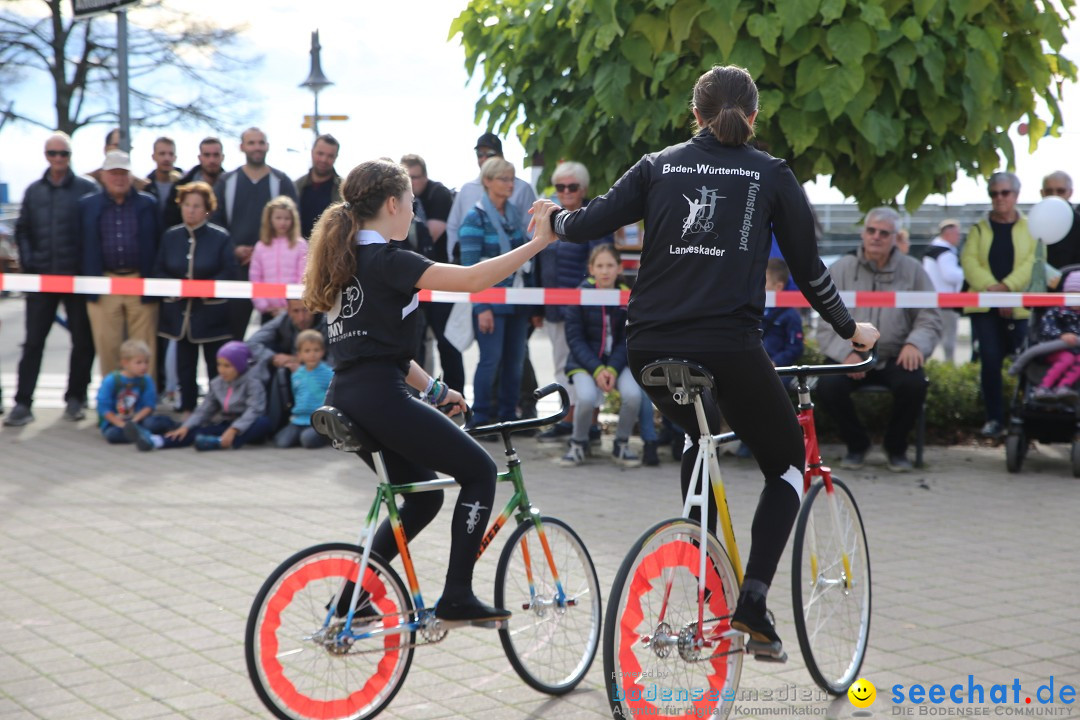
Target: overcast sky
(404,86)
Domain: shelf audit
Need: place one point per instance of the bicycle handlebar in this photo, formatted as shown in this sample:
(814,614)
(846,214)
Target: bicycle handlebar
(818,370)
(505,428)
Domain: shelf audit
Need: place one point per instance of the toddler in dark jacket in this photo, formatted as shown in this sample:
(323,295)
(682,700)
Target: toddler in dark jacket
(1061,323)
(782,329)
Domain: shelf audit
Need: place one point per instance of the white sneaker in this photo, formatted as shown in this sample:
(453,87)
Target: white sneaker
(625,456)
(575,455)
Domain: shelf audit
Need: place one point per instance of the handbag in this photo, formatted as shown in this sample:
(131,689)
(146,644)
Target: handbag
(459,326)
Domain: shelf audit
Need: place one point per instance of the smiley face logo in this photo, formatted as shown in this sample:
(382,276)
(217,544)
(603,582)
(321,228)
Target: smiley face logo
(862,693)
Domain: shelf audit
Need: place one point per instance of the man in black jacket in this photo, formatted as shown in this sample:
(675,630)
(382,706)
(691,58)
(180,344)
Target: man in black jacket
(47,236)
(1067,250)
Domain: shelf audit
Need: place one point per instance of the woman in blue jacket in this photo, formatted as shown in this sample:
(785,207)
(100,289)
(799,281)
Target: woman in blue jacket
(597,364)
(493,228)
(195,250)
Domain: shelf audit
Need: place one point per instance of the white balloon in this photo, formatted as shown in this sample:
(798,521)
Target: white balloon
(1050,219)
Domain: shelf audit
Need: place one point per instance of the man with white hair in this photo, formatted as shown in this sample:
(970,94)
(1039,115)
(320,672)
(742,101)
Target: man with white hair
(908,337)
(1067,251)
(47,236)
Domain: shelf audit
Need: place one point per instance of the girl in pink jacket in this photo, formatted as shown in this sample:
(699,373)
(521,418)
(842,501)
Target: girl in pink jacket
(280,254)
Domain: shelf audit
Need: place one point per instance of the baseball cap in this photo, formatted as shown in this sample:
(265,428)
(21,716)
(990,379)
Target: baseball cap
(948,222)
(117,160)
(490,140)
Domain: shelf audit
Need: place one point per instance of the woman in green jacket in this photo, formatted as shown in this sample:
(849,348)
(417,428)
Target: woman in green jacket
(998,256)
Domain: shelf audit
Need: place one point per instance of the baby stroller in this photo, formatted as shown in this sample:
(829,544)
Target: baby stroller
(1047,420)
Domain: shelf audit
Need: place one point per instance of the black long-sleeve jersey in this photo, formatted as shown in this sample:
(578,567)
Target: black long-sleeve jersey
(710,211)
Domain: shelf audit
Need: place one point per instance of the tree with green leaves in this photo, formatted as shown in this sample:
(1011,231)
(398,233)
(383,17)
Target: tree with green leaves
(78,59)
(886,97)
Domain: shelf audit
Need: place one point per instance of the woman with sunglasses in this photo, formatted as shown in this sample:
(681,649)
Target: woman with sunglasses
(1000,255)
(711,205)
(565,265)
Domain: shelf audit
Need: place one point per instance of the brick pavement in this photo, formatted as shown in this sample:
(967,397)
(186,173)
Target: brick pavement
(126,579)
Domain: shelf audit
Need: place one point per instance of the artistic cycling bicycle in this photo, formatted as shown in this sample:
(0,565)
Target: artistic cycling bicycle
(669,648)
(319,644)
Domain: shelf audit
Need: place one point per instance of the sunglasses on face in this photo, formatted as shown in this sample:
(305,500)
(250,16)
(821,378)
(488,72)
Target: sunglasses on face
(487,155)
(880,232)
(572,187)
(58,153)
(1055,191)
(1000,193)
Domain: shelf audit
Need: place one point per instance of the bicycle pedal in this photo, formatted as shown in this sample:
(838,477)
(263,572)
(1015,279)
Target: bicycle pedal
(487,624)
(766,652)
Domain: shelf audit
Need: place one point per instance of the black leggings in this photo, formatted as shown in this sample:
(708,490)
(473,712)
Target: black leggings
(757,407)
(417,440)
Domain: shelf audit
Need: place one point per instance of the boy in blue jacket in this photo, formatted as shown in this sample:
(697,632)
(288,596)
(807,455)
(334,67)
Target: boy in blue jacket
(781,330)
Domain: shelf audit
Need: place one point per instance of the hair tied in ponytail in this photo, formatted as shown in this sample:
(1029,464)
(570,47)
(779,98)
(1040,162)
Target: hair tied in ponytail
(346,206)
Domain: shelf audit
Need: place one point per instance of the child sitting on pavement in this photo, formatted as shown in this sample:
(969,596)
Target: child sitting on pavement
(597,363)
(126,400)
(1061,323)
(233,413)
(781,328)
(309,384)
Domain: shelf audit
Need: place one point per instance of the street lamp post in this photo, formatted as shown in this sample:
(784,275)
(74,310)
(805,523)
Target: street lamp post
(316,80)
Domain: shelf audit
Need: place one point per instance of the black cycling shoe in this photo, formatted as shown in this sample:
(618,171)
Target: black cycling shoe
(764,644)
(469,610)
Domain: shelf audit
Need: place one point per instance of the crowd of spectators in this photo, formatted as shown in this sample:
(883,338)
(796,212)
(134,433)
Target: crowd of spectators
(252,222)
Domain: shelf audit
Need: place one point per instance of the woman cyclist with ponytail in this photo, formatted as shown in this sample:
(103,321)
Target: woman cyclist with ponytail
(710,206)
(367,286)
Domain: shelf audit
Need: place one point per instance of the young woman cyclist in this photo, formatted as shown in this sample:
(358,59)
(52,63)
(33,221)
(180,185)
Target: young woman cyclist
(367,287)
(710,207)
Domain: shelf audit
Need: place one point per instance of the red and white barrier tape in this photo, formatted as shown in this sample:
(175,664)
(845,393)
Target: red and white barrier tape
(157,287)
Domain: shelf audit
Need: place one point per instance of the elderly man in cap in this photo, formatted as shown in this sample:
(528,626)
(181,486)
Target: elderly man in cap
(119,229)
(941,261)
(487,146)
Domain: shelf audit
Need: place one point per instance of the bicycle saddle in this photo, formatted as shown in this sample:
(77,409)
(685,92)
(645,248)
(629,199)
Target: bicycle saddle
(683,378)
(342,432)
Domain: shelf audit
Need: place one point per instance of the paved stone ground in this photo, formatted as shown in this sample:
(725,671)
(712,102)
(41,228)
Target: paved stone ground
(126,578)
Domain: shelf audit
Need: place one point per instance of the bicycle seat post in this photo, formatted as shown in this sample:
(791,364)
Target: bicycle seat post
(803,390)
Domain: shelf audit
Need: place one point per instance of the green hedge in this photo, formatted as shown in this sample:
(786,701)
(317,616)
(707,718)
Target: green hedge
(954,406)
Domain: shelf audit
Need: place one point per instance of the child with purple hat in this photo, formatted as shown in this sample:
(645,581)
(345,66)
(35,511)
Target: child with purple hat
(233,413)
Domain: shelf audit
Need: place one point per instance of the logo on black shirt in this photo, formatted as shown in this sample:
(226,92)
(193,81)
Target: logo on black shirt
(700,218)
(348,303)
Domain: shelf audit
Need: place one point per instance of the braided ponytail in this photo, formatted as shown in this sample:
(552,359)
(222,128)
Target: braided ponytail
(331,260)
